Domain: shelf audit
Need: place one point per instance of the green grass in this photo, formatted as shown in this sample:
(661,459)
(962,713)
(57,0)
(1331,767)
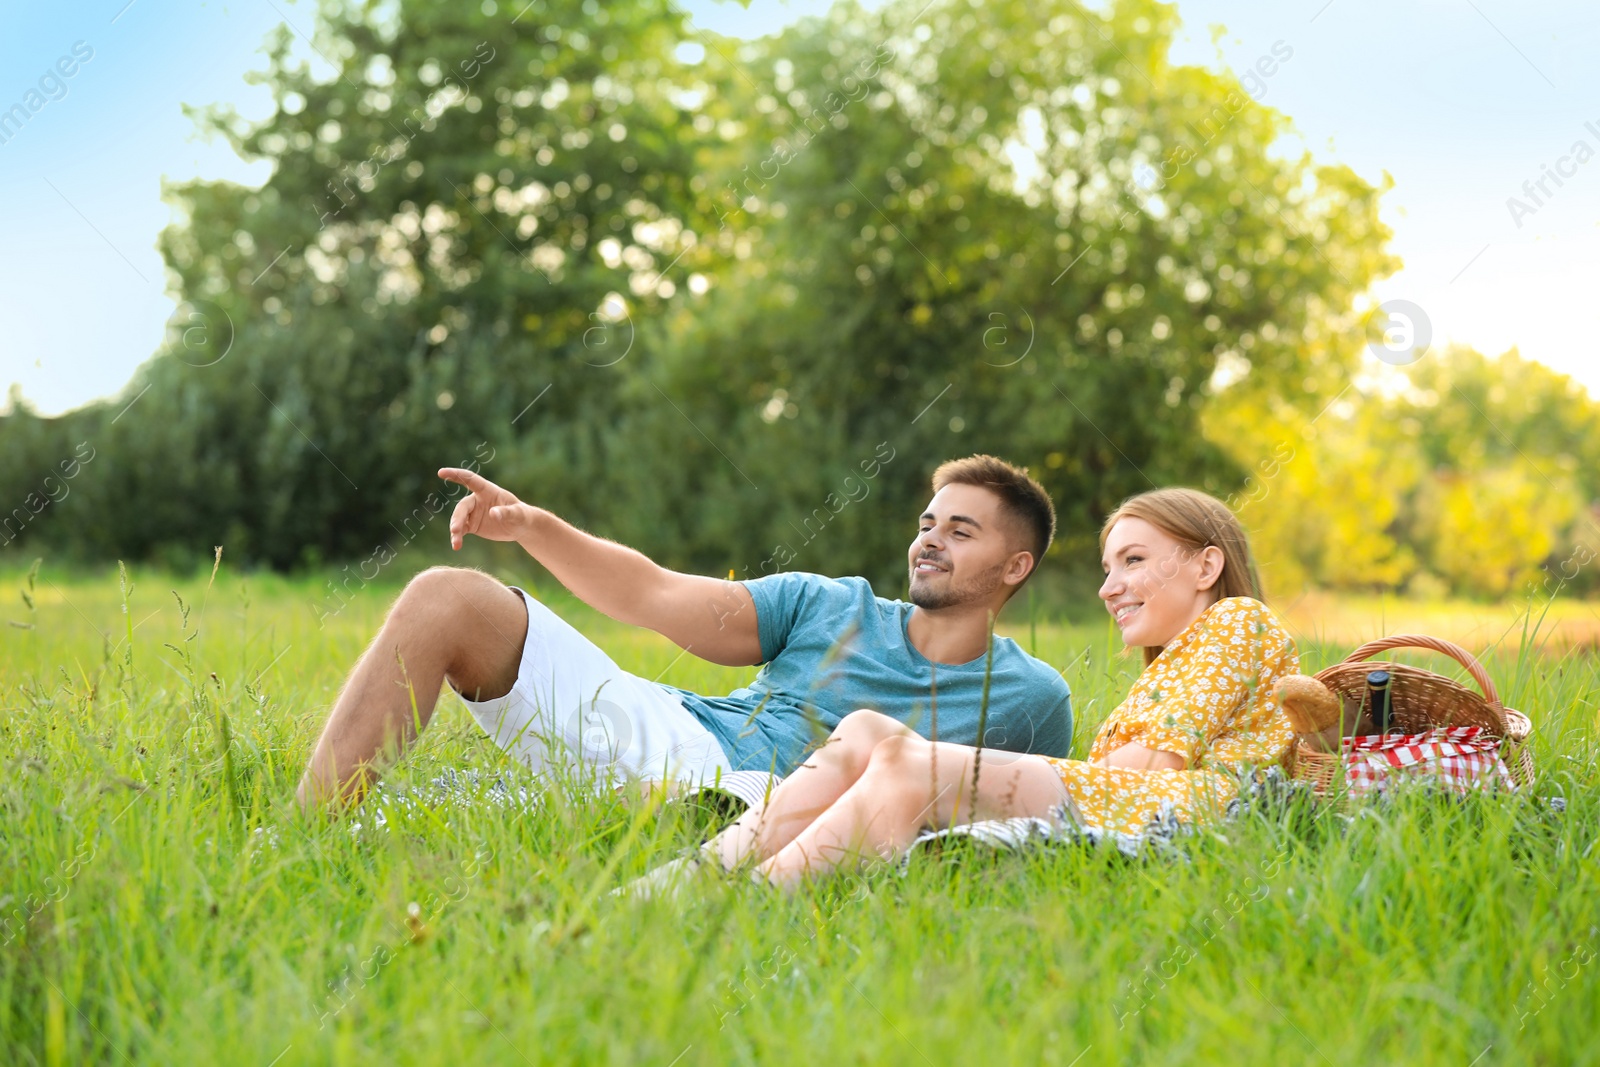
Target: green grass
(161,904)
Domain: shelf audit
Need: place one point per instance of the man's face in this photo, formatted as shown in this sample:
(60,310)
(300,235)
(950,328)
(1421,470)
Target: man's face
(962,550)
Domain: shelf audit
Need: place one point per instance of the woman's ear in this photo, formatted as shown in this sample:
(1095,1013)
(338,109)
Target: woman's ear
(1211,561)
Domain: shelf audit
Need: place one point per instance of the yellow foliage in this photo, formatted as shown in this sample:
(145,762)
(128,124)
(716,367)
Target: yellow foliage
(1321,502)
(1489,531)
(1347,500)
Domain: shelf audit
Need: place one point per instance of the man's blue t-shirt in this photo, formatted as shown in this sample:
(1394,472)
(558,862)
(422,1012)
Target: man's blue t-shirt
(829,646)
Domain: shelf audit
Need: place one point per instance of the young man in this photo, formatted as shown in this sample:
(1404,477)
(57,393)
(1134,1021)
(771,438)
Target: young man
(545,693)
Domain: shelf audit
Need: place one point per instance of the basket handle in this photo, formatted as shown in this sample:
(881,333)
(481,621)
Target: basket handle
(1433,644)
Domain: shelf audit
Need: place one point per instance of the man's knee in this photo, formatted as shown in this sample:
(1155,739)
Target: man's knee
(443,588)
(481,623)
(459,597)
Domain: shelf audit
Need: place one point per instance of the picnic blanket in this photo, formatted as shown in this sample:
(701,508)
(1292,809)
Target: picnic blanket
(750,788)
(1268,791)
(1272,790)
(452,787)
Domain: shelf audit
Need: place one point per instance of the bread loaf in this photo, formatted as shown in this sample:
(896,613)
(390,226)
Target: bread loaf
(1317,713)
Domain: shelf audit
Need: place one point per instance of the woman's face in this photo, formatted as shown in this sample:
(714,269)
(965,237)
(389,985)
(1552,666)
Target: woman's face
(1155,586)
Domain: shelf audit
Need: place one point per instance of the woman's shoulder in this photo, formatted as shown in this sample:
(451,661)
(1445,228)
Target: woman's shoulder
(1239,607)
(1246,614)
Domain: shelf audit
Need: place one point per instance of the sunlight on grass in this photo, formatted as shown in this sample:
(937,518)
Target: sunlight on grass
(160,899)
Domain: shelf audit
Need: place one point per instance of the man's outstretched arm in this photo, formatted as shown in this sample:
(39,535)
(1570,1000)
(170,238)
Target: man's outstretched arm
(713,618)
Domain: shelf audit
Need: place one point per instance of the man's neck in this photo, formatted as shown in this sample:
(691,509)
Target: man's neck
(950,635)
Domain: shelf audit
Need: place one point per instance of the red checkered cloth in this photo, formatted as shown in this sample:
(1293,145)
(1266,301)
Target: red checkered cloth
(1460,759)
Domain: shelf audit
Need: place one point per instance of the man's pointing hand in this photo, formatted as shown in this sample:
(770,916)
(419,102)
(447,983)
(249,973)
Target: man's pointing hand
(488,510)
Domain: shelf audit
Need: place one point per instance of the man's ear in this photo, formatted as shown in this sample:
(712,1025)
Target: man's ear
(1017,568)
(1211,561)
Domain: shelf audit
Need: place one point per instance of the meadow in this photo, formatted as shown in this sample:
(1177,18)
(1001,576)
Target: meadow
(162,902)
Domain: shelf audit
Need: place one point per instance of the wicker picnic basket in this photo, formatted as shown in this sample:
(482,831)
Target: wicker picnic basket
(1421,701)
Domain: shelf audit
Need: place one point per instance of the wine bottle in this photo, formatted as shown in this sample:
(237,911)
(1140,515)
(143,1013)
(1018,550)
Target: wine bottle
(1380,701)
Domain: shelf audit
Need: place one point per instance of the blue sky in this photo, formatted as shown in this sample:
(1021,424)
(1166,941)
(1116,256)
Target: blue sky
(1461,101)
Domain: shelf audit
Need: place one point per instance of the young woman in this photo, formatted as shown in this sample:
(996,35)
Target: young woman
(1181,585)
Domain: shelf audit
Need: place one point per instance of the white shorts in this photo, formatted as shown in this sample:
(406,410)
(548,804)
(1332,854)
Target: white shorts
(573,706)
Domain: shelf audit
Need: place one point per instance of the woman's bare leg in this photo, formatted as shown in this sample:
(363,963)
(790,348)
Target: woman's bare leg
(910,785)
(809,791)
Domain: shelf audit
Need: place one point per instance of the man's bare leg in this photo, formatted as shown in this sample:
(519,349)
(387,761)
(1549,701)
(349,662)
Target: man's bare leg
(449,625)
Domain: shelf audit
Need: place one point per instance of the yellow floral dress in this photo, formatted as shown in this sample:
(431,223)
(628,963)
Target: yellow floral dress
(1208,698)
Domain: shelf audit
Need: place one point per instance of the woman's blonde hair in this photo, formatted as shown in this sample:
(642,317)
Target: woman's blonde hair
(1197,521)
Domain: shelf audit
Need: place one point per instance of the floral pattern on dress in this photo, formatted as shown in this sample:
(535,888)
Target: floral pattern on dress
(1208,698)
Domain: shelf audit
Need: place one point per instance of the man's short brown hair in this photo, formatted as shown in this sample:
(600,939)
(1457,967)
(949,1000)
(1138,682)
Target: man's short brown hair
(1022,499)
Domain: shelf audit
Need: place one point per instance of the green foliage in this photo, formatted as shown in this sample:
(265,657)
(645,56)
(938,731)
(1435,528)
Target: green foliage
(993,249)
(920,232)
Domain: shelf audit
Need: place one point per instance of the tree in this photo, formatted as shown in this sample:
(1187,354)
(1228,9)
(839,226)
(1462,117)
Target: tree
(693,300)
(1013,228)
(1462,470)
